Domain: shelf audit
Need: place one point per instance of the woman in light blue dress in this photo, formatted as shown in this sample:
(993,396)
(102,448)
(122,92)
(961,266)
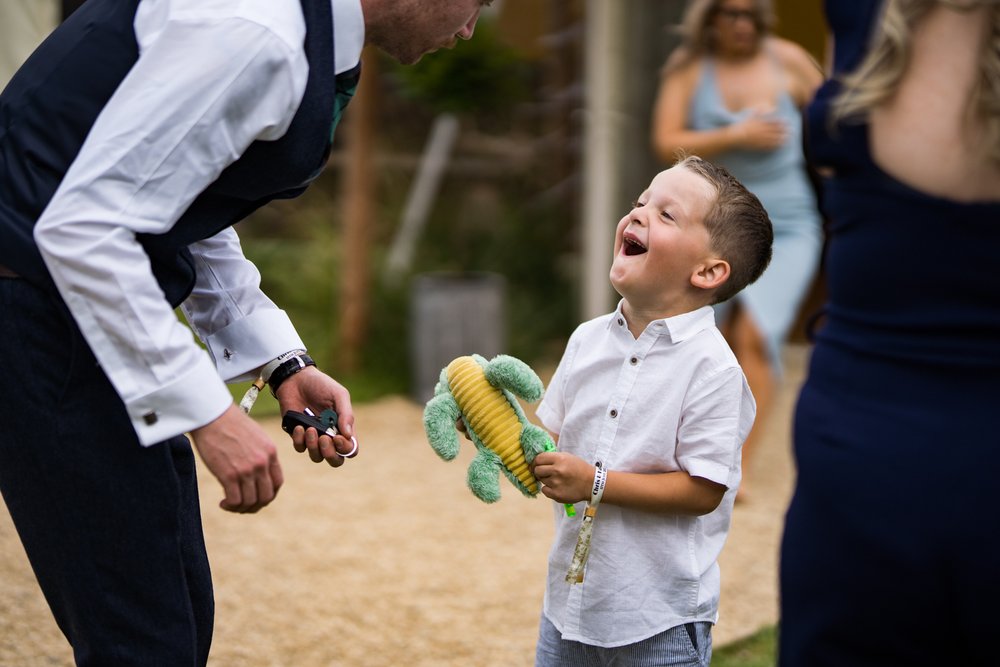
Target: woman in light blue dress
(732,93)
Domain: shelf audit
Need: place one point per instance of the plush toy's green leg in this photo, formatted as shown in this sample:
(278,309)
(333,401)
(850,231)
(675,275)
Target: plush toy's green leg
(440,414)
(534,440)
(516,376)
(484,476)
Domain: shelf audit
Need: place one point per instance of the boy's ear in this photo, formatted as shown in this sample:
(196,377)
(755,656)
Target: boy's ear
(711,274)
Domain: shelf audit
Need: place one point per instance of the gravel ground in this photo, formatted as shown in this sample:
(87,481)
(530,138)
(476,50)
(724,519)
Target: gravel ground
(391,561)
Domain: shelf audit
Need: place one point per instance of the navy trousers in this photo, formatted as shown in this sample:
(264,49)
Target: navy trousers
(112,529)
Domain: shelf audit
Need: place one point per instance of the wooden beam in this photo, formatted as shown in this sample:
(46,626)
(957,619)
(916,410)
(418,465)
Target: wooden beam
(359,214)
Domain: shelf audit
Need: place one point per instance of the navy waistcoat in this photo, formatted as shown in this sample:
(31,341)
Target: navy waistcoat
(52,102)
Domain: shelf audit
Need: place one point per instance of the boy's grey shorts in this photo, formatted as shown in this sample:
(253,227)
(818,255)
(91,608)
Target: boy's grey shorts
(688,645)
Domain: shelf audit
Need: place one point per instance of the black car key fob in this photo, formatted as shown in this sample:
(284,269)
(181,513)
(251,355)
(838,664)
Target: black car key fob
(325,424)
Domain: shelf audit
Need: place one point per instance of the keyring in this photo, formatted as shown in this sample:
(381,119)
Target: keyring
(351,453)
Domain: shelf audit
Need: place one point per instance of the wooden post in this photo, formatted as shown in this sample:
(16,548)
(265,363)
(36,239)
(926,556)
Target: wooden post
(359,213)
(605,73)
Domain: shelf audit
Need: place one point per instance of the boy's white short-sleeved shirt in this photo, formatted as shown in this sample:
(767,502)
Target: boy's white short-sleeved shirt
(675,399)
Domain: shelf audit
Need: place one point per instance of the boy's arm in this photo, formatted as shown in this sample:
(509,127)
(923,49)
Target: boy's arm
(667,493)
(717,416)
(569,479)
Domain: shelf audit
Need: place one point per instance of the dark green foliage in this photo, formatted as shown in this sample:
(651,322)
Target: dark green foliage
(302,275)
(480,77)
(529,245)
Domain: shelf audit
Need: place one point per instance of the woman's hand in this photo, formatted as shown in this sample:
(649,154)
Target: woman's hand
(759,131)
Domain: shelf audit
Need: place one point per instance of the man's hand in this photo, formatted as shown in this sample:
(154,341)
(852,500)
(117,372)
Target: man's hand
(242,457)
(564,477)
(313,389)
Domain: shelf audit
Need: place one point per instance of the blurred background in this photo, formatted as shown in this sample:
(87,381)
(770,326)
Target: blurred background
(470,200)
(469,206)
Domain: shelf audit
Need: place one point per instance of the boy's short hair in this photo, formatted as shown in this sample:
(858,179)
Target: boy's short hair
(738,226)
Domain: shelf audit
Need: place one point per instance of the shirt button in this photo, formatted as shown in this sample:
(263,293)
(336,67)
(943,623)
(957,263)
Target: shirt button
(614,413)
(634,360)
(620,321)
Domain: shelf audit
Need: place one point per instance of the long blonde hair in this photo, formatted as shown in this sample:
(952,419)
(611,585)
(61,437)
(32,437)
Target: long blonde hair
(697,36)
(878,77)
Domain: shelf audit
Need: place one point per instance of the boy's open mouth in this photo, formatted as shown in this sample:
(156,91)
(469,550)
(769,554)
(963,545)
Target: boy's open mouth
(631,246)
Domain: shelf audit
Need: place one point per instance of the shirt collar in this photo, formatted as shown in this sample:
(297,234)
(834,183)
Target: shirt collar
(679,327)
(349,34)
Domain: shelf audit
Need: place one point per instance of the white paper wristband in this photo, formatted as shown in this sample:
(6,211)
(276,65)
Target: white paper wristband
(600,479)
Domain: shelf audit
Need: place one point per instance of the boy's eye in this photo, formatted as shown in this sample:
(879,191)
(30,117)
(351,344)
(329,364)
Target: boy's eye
(666,215)
(638,204)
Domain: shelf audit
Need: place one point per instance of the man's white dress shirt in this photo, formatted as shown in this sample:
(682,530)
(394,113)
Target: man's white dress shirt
(674,399)
(211,78)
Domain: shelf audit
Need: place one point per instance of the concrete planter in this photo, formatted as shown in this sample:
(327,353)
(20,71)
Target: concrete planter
(453,314)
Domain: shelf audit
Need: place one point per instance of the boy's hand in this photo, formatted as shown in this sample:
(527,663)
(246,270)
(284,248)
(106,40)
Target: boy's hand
(564,477)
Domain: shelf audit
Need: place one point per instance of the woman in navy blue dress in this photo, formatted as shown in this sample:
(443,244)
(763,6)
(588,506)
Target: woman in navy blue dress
(891,552)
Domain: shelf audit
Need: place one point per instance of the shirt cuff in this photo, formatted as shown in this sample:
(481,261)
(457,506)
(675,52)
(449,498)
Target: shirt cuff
(242,347)
(192,400)
(710,470)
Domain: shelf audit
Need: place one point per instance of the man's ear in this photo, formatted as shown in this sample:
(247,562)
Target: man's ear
(711,274)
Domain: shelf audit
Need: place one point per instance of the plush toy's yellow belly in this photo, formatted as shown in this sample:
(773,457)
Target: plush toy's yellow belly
(489,416)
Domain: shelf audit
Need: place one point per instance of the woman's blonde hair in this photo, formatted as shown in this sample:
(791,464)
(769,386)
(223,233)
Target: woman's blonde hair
(697,36)
(880,73)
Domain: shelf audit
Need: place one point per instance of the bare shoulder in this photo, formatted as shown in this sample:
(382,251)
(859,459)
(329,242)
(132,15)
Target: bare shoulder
(677,58)
(793,56)
(681,67)
(805,73)
(678,81)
